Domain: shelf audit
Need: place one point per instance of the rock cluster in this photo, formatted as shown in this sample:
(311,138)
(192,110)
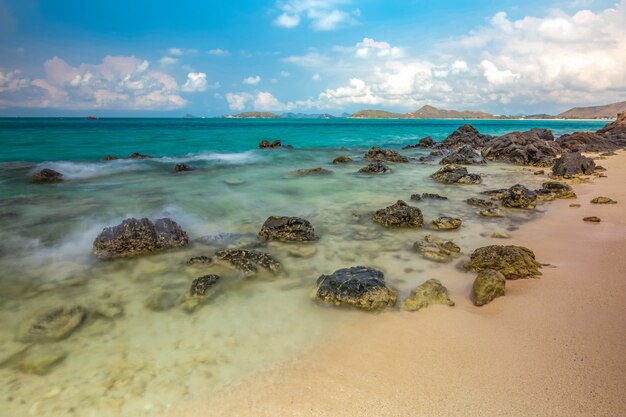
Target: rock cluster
(518,196)
(465,134)
(465,155)
(266,144)
(534,147)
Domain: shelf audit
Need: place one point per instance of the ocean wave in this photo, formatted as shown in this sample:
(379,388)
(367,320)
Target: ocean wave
(227,158)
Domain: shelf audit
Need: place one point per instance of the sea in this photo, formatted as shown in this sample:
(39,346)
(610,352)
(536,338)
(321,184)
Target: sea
(126,358)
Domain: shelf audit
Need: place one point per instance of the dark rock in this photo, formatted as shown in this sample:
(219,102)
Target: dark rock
(247,261)
(447,223)
(110,158)
(465,135)
(343,159)
(137,155)
(199,260)
(603,200)
(451,174)
(437,153)
(511,261)
(375,168)
(426,142)
(571,164)
(479,202)
(534,147)
(312,171)
(202,286)
(436,250)
(265,144)
(616,131)
(135,237)
(47,176)
(496,195)
(399,214)
(287,229)
(360,287)
(425,159)
(430,292)
(465,155)
(491,212)
(518,196)
(53,325)
(384,155)
(431,196)
(586,142)
(540,172)
(416,197)
(182,168)
(488,285)
(558,189)
(592,219)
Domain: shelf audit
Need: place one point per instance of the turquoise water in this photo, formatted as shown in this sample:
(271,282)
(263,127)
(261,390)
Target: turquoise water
(143,363)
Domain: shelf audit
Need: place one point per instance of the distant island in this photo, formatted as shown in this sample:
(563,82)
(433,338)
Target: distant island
(255,115)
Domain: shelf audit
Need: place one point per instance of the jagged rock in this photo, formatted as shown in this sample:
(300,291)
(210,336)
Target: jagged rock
(265,144)
(47,175)
(603,200)
(377,154)
(586,142)
(534,147)
(343,159)
(312,171)
(52,325)
(359,287)
(247,261)
(616,131)
(511,261)
(436,250)
(431,196)
(488,285)
(399,214)
(110,158)
(571,164)
(496,195)
(479,202)
(465,134)
(375,168)
(491,212)
(135,237)
(451,174)
(465,155)
(287,229)
(426,142)
(202,289)
(430,292)
(137,155)
(42,361)
(447,223)
(558,189)
(520,197)
(182,168)
(162,300)
(416,197)
(592,219)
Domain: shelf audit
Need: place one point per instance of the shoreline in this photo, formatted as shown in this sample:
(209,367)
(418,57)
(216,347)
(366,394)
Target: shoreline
(553,346)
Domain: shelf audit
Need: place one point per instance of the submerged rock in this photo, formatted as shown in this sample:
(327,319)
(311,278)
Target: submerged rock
(287,229)
(558,189)
(479,202)
(376,168)
(511,261)
(137,155)
(534,147)
(53,325)
(426,142)
(135,237)
(491,212)
(465,155)
(265,144)
(488,285)
(520,197)
(384,155)
(571,164)
(431,196)
(47,175)
(162,300)
(435,250)
(42,361)
(360,287)
(247,261)
(465,135)
(455,174)
(182,168)
(343,159)
(311,171)
(430,292)
(199,260)
(201,291)
(603,200)
(447,223)
(399,214)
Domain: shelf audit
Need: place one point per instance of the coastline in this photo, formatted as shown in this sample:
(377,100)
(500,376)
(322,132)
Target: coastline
(553,346)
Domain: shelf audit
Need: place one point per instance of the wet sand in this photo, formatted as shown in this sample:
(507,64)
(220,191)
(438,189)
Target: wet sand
(555,346)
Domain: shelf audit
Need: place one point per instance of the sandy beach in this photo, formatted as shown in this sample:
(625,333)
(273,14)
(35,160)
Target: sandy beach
(554,346)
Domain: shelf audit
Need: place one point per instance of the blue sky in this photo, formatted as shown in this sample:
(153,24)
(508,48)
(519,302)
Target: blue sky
(154,58)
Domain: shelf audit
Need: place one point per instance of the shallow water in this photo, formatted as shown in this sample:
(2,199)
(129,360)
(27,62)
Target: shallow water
(145,362)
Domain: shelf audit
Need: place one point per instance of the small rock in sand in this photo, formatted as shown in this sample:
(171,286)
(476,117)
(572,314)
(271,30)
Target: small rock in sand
(603,200)
(430,292)
(592,219)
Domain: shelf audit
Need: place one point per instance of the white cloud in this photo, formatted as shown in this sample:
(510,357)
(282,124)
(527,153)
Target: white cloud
(237,101)
(168,60)
(368,47)
(316,77)
(285,74)
(309,60)
(323,15)
(265,101)
(196,81)
(252,80)
(218,52)
(181,51)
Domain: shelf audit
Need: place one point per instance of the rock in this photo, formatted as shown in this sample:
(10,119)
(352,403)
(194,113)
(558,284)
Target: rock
(426,142)
(247,261)
(575,205)
(465,134)
(603,200)
(287,229)
(447,223)
(435,250)
(182,168)
(53,325)
(430,292)
(376,168)
(107,310)
(496,195)
(559,189)
(599,168)
(520,197)
(47,176)
(41,362)
(511,261)
(202,289)
(162,300)
(110,158)
(451,174)
(265,144)
(425,159)
(491,212)
(465,155)
(360,287)
(540,172)
(399,214)
(500,235)
(488,285)
(312,171)
(135,237)
(302,251)
(616,131)
(534,147)
(479,202)
(437,153)
(377,154)
(571,164)
(343,159)
(199,260)
(592,219)
(416,197)
(586,142)
(431,196)
(137,155)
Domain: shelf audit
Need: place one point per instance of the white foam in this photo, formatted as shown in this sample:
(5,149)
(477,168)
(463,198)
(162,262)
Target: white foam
(228,158)
(86,170)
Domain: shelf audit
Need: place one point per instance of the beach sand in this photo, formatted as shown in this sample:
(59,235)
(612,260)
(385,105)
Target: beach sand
(554,346)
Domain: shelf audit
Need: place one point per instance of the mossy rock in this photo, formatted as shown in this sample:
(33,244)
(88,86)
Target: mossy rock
(511,261)
(488,285)
(55,324)
(399,214)
(41,362)
(430,292)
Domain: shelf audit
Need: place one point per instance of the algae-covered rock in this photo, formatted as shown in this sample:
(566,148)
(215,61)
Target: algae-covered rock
(162,300)
(430,292)
(376,168)
(603,200)
(436,250)
(491,212)
(432,196)
(42,361)
(311,171)
(559,189)
(399,214)
(53,325)
(479,202)
(343,159)
(511,261)
(455,174)
(488,285)
(360,287)
(202,290)
(520,197)
(384,155)
(287,229)
(247,261)
(47,175)
(447,223)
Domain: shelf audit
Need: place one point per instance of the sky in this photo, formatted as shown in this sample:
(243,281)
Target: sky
(206,58)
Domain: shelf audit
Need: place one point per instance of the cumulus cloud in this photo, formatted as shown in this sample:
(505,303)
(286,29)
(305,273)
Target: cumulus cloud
(120,82)
(237,101)
(265,101)
(218,52)
(322,15)
(368,47)
(196,81)
(252,80)
(168,60)
(181,51)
